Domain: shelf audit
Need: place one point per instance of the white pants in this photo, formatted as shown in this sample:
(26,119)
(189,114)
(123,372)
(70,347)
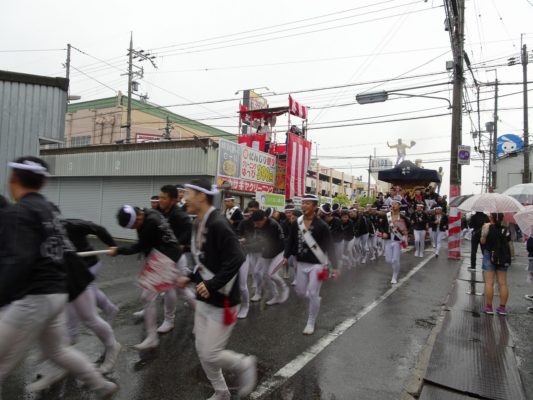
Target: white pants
(211,337)
(437,238)
(148,299)
(420,238)
(392,256)
(186,293)
(102,301)
(243,280)
(363,247)
(84,308)
(308,285)
(372,246)
(348,256)
(257,279)
(40,318)
(274,282)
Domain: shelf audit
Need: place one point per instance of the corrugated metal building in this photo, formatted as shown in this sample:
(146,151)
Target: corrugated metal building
(32,113)
(93,182)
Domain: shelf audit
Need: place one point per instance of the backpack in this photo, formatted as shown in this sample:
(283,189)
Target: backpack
(501,253)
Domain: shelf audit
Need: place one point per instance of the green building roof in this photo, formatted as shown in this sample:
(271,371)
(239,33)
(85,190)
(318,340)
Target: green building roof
(151,109)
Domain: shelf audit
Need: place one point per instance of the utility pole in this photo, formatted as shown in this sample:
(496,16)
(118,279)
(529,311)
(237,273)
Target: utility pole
(458,11)
(525,60)
(140,55)
(67,65)
(130,79)
(494,140)
(455,12)
(167,129)
(369,167)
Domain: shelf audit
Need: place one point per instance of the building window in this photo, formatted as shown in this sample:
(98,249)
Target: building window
(79,141)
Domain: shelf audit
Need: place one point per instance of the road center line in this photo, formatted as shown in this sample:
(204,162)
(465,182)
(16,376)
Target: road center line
(290,369)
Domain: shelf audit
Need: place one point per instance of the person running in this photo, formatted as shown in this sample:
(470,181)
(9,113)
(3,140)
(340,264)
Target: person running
(394,229)
(420,224)
(154,202)
(84,307)
(348,239)
(181,225)
(272,241)
(33,284)
(439,226)
(494,237)
(218,257)
(334,224)
(252,249)
(232,212)
(310,241)
(154,232)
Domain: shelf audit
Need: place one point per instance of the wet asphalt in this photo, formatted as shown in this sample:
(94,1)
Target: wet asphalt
(373,359)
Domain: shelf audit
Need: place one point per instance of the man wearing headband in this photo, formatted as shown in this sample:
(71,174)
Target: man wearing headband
(218,257)
(33,282)
(252,249)
(348,239)
(311,262)
(334,224)
(154,202)
(153,232)
(439,227)
(181,225)
(394,229)
(272,244)
(420,222)
(233,213)
(181,198)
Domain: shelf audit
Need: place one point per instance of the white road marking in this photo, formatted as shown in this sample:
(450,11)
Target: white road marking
(290,369)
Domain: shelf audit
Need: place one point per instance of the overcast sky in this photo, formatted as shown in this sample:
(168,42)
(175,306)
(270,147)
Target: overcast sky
(208,50)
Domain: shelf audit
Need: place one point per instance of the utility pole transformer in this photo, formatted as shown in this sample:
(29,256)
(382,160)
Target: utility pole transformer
(140,55)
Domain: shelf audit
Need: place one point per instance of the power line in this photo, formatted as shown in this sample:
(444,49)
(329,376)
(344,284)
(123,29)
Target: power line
(297,34)
(94,79)
(29,50)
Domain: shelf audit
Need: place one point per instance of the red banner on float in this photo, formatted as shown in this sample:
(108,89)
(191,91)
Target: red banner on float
(298,160)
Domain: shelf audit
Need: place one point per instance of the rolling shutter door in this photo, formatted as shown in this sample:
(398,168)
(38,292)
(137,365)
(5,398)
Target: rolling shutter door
(80,198)
(51,190)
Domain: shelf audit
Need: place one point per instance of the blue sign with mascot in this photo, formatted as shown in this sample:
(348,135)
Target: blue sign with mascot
(508,144)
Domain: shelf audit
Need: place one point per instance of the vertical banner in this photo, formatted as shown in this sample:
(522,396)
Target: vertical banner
(298,159)
(454,226)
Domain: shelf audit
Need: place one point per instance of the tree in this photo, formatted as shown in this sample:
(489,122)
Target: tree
(342,199)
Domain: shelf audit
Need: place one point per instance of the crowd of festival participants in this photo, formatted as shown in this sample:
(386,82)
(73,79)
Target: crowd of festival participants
(221,263)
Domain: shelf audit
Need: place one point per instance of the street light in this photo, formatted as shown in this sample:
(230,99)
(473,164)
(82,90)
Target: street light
(383,95)
(257,88)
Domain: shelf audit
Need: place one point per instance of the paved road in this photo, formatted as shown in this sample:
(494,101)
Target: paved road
(371,356)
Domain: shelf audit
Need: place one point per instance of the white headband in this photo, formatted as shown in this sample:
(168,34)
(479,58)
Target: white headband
(133,215)
(211,192)
(30,166)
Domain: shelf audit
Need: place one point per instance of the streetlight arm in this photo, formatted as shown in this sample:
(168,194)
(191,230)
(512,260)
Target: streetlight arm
(383,95)
(423,95)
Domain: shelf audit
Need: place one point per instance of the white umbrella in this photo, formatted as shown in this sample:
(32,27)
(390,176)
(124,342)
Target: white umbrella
(491,203)
(522,192)
(524,219)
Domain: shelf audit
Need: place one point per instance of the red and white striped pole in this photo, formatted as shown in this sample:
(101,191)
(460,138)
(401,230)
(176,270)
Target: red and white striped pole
(454,225)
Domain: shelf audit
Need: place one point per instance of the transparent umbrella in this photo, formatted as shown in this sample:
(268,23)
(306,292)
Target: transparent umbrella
(491,203)
(524,219)
(522,192)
